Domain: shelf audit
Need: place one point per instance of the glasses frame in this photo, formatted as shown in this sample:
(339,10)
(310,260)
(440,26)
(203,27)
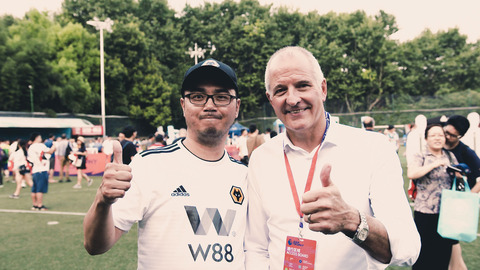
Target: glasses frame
(210,97)
(451,135)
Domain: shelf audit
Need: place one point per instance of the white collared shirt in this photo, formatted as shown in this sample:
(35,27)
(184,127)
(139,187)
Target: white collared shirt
(367,171)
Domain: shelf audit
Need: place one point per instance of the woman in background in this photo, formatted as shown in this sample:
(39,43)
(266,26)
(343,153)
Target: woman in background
(81,163)
(429,168)
(21,168)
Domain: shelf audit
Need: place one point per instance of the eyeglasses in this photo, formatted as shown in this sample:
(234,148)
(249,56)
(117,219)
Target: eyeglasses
(452,135)
(218,99)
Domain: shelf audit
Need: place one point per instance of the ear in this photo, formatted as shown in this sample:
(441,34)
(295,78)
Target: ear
(324,90)
(268,97)
(182,103)
(237,109)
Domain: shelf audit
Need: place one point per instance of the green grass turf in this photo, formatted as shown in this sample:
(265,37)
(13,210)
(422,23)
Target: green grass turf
(28,242)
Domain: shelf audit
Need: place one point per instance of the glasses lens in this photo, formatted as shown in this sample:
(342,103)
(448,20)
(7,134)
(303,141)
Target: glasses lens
(451,135)
(221,99)
(198,99)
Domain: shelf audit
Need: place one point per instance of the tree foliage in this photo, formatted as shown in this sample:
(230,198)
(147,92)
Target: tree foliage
(145,57)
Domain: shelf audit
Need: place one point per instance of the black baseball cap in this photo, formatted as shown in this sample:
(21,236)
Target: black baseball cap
(460,123)
(210,69)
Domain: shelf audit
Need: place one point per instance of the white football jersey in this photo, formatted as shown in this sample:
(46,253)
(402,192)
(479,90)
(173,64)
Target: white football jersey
(191,212)
(36,155)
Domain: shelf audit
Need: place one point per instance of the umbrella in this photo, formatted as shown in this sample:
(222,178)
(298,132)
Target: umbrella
(236,129)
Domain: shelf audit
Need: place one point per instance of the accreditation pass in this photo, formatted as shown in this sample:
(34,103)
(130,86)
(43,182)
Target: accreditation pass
(299,254)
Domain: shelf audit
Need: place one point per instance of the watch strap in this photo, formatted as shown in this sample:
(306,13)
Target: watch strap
(361,227)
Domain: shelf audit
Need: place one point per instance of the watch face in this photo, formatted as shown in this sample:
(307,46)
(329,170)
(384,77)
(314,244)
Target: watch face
(362,234)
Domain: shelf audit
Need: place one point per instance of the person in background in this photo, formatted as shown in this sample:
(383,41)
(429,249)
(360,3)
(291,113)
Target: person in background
(429,170)
(392,136)
(121,136)
(21,168)
(182,133)
(63,159)
(3,160)
(266,135)
(254,140)
(107,148)
(414,145)
(4,148)
(150,140)
(472,136)
(13,147)
(455,129)
(242,146)
(98,144)
(51,159)
(81,163)
(353,214)
(128,147)
(368,123)
(36,155)
(159,142)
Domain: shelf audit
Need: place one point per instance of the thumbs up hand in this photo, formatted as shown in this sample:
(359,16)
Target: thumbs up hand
(116,177)
(325,210)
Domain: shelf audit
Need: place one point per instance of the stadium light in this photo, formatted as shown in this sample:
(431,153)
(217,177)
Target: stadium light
(99,25)
(198,52)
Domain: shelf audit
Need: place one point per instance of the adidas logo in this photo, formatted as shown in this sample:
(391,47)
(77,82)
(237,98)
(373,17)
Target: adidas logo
(180,191)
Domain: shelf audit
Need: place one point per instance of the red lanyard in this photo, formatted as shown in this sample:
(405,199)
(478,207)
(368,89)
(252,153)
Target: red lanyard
(308,185)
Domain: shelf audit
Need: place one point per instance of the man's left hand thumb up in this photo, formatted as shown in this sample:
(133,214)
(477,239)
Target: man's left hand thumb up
(324,208)
(325,176)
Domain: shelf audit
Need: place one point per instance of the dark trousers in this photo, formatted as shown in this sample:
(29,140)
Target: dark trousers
(436,251)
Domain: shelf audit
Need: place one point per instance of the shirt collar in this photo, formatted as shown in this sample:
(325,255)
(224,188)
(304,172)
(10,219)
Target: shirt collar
(289,146)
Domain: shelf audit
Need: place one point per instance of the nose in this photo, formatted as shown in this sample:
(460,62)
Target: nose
(209,103)
(293,97)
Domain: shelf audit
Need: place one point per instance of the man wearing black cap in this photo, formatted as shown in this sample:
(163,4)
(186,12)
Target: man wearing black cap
(188,197)
(455,128)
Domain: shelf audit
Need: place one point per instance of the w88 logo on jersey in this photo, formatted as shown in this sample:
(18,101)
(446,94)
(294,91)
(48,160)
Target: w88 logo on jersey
(216,252)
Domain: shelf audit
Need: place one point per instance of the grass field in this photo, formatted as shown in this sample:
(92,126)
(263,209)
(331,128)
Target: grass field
(27,241)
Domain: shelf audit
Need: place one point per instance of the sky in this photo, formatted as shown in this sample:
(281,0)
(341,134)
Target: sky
(412,16)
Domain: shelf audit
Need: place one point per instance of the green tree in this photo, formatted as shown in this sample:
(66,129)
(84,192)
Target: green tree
(76,62)
(151,96)
(30,52)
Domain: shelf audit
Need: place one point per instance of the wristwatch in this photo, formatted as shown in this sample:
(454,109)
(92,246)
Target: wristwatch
(362,230)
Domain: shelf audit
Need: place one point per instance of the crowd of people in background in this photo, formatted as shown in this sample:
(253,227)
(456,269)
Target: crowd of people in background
(428,144)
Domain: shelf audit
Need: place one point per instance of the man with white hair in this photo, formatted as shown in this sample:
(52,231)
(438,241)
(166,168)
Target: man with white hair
(354,205)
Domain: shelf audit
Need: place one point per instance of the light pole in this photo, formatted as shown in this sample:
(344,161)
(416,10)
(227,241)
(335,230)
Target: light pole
(31,98)
(99,25)
(198,52)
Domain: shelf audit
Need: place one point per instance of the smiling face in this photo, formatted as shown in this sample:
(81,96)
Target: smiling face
(209,123)
(297,93)
(435,138)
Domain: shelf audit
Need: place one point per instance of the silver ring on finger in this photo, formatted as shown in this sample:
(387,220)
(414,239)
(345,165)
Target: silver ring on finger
(308,218)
